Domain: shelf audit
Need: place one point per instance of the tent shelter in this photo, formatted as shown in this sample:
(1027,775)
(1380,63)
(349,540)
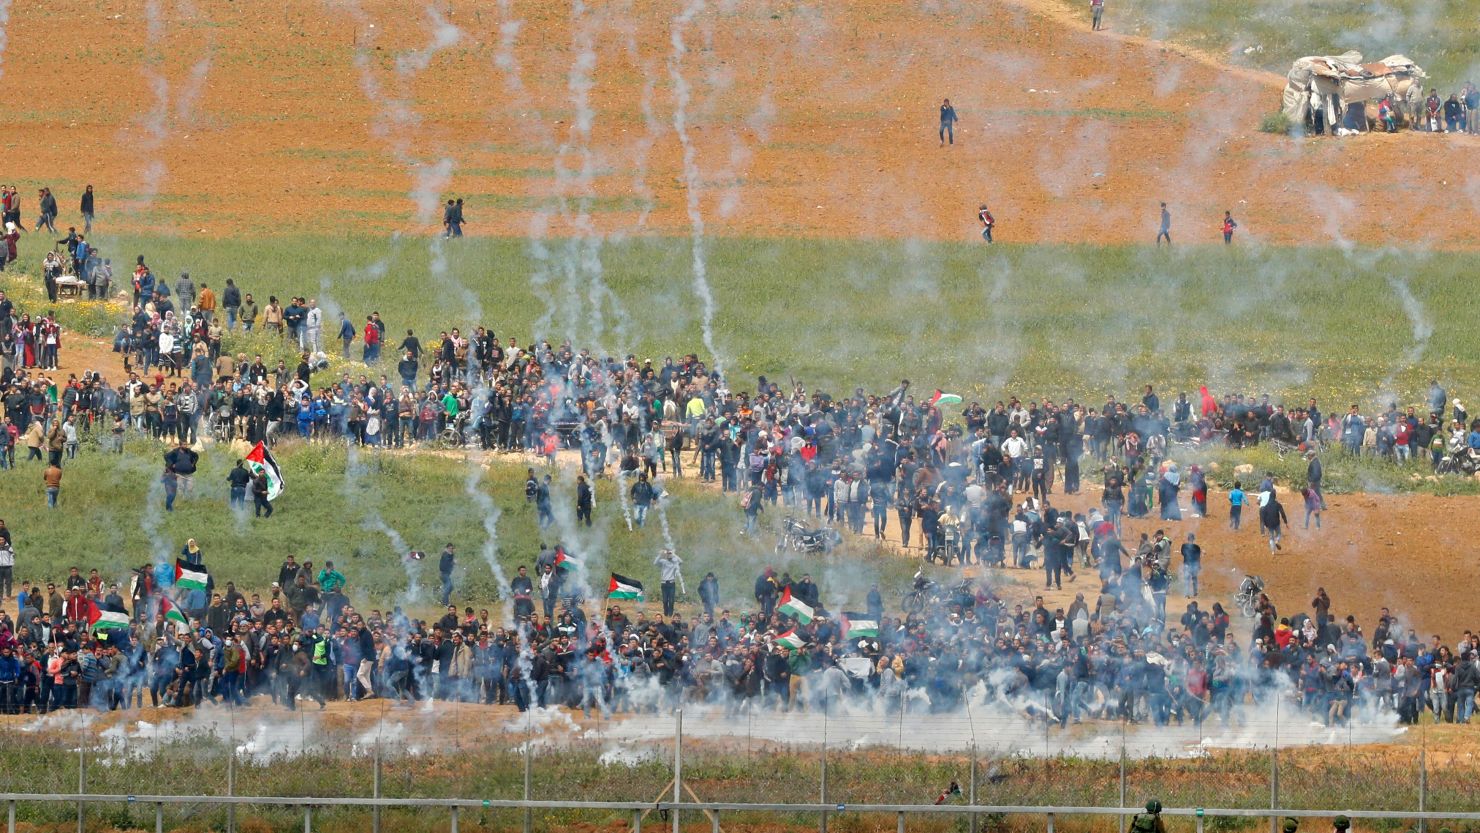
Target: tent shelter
(1330,84)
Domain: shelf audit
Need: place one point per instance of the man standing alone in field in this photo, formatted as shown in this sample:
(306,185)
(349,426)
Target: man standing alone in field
(987,222)
(1097,11)
(1228,226)
(1166,226)
(947,123)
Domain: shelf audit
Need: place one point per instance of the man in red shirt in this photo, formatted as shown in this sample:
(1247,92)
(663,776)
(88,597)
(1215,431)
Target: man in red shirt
(372,341)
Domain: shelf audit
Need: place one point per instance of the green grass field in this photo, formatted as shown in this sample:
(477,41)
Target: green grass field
(1439,36)
(1032,321)
(111,517)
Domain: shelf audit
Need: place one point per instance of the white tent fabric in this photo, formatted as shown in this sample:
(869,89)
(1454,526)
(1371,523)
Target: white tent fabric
(1331,82)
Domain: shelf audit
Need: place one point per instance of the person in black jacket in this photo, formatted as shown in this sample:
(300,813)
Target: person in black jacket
(182,460)
(1314,471)
(583,500)
(238,479)
(445,566)
(709,593)
(1271,516)
(87,210)
(47,206)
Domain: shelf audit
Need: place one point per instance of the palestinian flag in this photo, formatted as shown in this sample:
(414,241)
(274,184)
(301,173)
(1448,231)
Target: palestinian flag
(940,400)
(794,608)
(622,587)
(791,640)
(191,576)
(260,461)
(859,625)
(565,562)
(172,611)
(103,620)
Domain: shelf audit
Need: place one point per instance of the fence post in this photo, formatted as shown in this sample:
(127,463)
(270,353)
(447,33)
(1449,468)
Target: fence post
(901,823)
(1121,817)
(528,752)
(454,819)
(81,780)
(1274,788)
(822,786)
(714,821)
(10,817)
(307,818)
(231,785)
(1423,778)
(375,792)
(677,764)
(636,821)
(1050,823)
(971,791)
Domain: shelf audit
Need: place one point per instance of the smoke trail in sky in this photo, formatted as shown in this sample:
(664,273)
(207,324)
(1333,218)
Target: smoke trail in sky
(354,471)
(490,514)
(4,26)
(691,176)
(167,107)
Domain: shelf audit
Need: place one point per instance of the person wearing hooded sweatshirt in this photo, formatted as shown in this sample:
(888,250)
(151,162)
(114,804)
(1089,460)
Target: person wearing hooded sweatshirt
(1272,517)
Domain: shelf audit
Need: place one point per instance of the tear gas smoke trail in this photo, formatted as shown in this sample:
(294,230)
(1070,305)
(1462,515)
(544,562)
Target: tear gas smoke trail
(4,26)
(1422,328)
(691,176)
(149,523)
(491,513)
(663,522)
(354,470)
(156,121)
(1418,318)
(581,256)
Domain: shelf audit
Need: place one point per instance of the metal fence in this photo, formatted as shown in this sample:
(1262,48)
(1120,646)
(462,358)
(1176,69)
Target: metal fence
(485,768)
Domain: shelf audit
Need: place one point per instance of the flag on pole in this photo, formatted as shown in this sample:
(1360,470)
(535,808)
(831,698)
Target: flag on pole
(102,620)
(791,640)
(794,608)
(940,400)
(191,576)
(622,587)
(260,461)
(171,611)
(859,625)
(565,562)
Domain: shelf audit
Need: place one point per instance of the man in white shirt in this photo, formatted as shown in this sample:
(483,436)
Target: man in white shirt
(313,328)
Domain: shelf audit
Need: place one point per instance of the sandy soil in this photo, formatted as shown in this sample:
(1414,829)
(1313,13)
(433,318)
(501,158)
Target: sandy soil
(805,119)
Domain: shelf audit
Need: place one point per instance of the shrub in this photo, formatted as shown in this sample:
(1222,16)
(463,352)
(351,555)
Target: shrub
(1276,122)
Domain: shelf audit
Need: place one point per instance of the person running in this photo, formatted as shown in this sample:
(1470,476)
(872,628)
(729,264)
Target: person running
(1228,226)
(947,123)
(1097,11)
(985,216)
(1166,227)
(1272,517)
(1235,505)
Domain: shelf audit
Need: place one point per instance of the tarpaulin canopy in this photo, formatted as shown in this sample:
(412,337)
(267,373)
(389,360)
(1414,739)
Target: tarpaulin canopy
(1333,81)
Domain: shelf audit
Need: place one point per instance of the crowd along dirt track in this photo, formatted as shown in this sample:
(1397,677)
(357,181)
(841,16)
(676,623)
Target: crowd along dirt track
(805,119)
(226,119)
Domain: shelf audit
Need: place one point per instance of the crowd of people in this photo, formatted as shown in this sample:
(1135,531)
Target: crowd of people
(981,489)
(1109,657)
(966,483)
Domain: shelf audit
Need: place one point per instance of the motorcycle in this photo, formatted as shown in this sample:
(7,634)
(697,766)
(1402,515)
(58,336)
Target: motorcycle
(1248,595)
(1462,461)
(798,537)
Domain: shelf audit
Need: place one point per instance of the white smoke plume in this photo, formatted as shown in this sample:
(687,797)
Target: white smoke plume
(692,180)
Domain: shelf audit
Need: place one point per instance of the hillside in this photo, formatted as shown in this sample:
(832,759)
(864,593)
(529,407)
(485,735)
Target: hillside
(803,119)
